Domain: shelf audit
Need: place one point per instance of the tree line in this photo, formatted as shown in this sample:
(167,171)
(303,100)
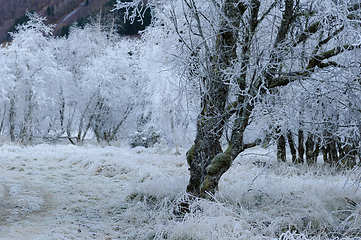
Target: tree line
(91,85)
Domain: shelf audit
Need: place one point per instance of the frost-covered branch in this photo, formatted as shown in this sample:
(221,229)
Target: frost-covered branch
(132,9)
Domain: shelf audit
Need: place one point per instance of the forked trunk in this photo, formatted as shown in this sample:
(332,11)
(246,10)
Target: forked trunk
(199,157)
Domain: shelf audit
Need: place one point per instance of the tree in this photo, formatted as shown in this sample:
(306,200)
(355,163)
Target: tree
(238,53)
(115,88)
(32,76)
(165,108)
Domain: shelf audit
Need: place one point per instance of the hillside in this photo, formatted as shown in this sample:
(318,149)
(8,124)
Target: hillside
(58,12)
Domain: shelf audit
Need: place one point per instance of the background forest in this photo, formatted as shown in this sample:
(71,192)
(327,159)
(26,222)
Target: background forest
(90,83)
(225,76)
(94,83)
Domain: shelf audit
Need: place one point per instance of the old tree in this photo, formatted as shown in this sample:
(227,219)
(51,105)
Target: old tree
(236,53)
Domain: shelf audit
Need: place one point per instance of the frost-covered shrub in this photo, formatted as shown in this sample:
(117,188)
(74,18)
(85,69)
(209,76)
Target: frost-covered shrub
(146,138)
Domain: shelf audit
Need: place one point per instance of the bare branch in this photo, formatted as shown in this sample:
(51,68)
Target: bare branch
(252,144)
(287,19)
(354,7)
(313,28)
(265,14)
(316,60)
(332,35)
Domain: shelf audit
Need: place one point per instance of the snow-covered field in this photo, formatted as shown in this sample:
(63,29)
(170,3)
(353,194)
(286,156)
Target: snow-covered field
(90,192)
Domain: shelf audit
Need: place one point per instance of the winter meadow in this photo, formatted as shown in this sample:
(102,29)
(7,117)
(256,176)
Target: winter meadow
(223,119)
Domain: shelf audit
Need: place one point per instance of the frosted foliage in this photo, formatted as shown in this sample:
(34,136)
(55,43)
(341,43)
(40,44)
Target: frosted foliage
(330,96)
(31,75)
(89,86)
(68,192)
(192,40)
(334,102)
(168,101)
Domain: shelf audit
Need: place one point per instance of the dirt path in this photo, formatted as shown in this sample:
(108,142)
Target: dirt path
(67,192)
(56,202)
(20,198)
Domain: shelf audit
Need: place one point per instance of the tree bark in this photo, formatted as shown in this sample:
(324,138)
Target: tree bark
(332,152)
(292,146)
(211,120)
(281,149)
(324,155)
(310,149)
(12,115)
(316,152)
(350,153)
(301,149)
(2,120)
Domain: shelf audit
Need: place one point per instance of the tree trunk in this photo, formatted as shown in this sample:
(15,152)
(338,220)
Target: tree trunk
(211,120)
(301,149)
(350,155)
(316,152)
(12,118)
(310,149)
(62,109)
(177,152)
(223,161)
(2,120)
(332,152)
(281,149)
(199,157)
(292,146)
(342,154)
(26,130)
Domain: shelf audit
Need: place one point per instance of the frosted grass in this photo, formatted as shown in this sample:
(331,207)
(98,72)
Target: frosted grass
(90,192)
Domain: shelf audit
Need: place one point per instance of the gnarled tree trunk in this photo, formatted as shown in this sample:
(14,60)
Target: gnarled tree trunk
(206,160)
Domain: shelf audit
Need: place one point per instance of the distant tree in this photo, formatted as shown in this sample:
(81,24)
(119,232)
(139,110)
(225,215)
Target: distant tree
(133,27)
(115,89)
(32,80)
(74,87)
(19,21)
(65,31)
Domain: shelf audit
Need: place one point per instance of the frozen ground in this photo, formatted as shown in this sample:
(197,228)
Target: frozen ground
(90,192)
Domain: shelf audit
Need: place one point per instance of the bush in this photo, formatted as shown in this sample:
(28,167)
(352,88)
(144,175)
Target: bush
(146,138)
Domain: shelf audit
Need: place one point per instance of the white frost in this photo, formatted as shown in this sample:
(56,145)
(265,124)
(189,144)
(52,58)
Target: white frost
(68,192)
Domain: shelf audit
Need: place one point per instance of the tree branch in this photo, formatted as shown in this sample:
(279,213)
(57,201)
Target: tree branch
(252,144)
(313,28)
(265,14)
(354,7)
(316,60)
(332,35)
(287,19)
